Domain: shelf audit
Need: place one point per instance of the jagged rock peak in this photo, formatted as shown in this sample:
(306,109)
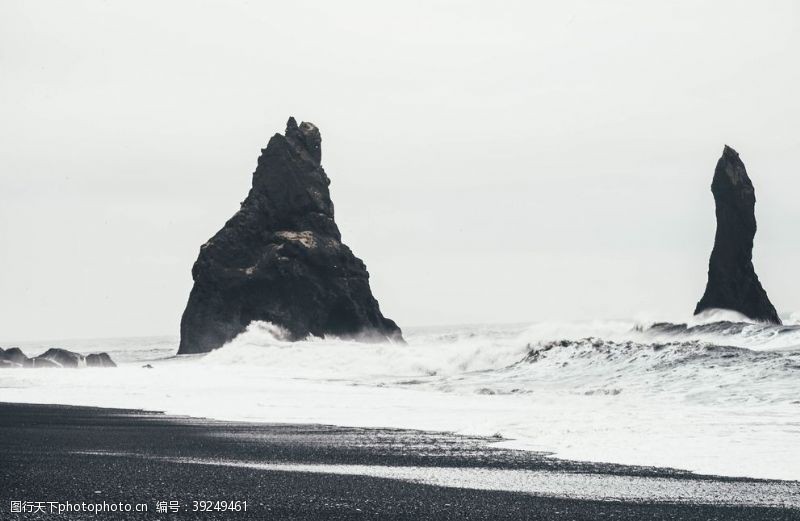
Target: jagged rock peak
(727,151)
(732,280)
(730,170)
(307,136)
(280,259)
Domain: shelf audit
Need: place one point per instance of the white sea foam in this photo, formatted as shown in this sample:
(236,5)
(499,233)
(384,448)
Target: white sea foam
(709,396)
(552,483)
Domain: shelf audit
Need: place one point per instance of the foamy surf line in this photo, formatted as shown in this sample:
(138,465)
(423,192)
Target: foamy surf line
(556,484)
(691,398)
(484,416)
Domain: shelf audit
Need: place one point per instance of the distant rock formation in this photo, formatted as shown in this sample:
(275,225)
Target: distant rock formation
(280,259)
(99,360)
(732,280)
(61,357)
(54,357)
(13,357)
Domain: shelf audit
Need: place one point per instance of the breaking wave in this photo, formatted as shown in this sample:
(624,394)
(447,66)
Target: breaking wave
(715,394)
(709,363)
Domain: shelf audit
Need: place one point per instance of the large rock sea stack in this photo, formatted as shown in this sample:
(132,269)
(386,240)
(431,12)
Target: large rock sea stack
(732,280)
(280,259)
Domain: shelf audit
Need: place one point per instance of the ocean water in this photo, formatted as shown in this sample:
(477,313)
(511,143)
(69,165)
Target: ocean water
(716,395)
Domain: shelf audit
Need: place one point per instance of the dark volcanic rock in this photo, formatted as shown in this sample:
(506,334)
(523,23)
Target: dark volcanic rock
(13,357)
(62,357)
(41,363)
(99,360)
(54,357)
(280,259)
(732,281)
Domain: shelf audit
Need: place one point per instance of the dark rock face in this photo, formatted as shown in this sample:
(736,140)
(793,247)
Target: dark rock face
(14,358)
(280,259)
(99,360)
(62,357)
(43,363)
(732,280)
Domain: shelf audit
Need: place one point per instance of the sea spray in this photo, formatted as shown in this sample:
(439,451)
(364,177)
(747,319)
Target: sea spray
(714,397)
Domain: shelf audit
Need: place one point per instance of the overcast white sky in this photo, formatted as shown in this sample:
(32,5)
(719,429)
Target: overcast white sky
(490,161)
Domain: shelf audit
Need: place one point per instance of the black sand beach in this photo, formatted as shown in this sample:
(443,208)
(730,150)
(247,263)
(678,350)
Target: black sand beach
(78,454)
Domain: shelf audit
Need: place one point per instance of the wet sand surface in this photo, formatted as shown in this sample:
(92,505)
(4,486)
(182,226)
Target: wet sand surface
(62,454)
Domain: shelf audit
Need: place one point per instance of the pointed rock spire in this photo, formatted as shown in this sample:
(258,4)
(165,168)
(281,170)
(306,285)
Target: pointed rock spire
(732,280)
(280,259)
